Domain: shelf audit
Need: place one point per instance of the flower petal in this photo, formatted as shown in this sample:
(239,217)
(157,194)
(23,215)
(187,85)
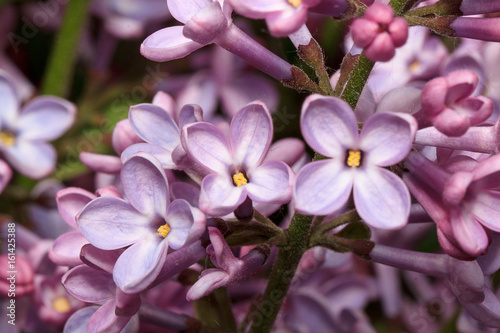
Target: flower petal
(271,182)
(147,258)
(154,125)
(5,175)
(386,139)
(328,125)
(207,145)
(33,159)
(10,100)
(110,223)
(486,208)
(168,44)
(101,163)
(182,11)
(251,134)
(145,185)
(45,118)
(207,283)
(381,198)
(219,196)
(66,249)
(163,155)
(187,224)
(89,285)
(322,187)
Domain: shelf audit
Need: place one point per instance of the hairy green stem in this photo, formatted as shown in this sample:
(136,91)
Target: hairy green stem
(357,80)
(350,216)
(398,6)
(59,71)
(215,312)
(282,274)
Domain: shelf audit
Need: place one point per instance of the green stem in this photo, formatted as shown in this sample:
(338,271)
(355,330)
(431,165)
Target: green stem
(264,220)
(282,274)
(398,6)
(350,216)
(357,80)
(215,312)
(59,71)
(312,55)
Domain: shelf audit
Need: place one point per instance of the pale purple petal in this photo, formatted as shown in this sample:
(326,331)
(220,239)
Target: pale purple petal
(186,191)
(184,228)
(251,134)
(5,175)
(182,11)
(66,249)
(258,9)
(77,323)
(220,252)
(322,187)
(123,136)
(219,196)
(105,320)
(190,113)
(208,282)
(328,125)
(207,24)
(89,285)
(110,223)
(147,258)
(207,145)
(288,150)
(154,125)
(486,207)
(45,118)
(271,182)
(163,155)
(103,260)
(166,102)
(145,185)
(385,139)
(381,198)
(10,100)
(487,312)
(168,44)
(101,163)
(286,22)
(32,159)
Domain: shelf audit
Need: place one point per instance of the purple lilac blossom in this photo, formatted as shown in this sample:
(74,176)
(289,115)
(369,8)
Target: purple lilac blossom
(24,132)
(234,167)
(147,222)
(356,163)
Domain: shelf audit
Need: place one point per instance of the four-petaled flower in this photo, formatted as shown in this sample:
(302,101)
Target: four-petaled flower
(329,126)
(147,222)
(234,168)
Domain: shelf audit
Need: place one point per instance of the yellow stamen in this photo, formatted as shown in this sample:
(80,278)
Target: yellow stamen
(353,158)
(164,230)
(414,66)
(61,304)
(7,138)
(239,179)
(295,3)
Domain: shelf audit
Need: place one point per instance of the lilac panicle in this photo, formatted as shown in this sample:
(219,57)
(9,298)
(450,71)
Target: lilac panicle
(234,167)
(329,126)
(147,222)
(229,269)
(24,132)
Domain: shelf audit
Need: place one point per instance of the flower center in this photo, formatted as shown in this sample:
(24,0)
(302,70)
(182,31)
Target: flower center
(239,179)
(353,157)
(414,66)
(295,3)
(7,138)
(164,230)
(61,304)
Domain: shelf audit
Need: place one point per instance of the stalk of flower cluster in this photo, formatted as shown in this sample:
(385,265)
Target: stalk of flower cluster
(166,319)
(239,43)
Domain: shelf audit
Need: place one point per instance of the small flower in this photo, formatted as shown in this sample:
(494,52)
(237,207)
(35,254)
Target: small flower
(329,126)
(24,132)
(148,222)
(379,33)
(235,168)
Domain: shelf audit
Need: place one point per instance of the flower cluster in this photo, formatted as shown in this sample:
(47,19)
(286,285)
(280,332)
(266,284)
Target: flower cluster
(218,202)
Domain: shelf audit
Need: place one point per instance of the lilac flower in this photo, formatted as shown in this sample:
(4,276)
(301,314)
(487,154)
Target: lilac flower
(329,126)
(283,17)
(447,103)
(235,168)
(148,222)
(229,269)
(23,133)
(379,33)
(5,175)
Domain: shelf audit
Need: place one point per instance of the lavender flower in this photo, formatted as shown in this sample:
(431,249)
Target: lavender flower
(24,132)
(329,126)
(148,222)
(235,168)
